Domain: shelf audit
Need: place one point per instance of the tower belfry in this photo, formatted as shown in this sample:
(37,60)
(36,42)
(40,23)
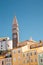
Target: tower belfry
(15,32)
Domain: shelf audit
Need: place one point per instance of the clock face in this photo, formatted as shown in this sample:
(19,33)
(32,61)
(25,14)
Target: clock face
(14,36)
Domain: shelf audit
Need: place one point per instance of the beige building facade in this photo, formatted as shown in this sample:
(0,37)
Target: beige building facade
(2,60)
(8,61)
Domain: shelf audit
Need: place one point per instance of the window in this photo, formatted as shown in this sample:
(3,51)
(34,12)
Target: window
(35,60)
(1,45)
(8,60)
(18,51)
(23,55)
(31,60)
(31,53)
(27,61)
(41,60)
(27,54)
(7,45)
(19,58)
(34,52)
(1,48)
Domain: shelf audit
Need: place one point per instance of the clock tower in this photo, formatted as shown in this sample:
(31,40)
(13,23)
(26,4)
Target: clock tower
(15,32)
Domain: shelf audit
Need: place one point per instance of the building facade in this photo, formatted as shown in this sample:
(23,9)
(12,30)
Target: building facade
(5,44)
(40,59)
(8,61)
(9,45)
(17,56)
(2,60)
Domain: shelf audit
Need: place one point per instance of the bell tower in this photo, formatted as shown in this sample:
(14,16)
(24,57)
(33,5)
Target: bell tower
(15,32)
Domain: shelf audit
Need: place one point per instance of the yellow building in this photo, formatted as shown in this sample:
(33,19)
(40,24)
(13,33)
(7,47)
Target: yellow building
(33,57)
(28,53)
(29,56)
(17,56)
(2,60)
(21,55)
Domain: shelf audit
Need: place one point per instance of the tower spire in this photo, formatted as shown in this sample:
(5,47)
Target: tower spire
(15,32)
(15,20)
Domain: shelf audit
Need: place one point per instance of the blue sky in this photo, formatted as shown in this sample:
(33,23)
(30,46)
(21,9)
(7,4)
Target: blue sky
(29,14)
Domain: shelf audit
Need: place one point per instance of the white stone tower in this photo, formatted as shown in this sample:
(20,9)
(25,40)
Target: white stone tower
(15,32)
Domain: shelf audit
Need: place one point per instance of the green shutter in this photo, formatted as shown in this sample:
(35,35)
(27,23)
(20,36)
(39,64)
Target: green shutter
(40,57)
